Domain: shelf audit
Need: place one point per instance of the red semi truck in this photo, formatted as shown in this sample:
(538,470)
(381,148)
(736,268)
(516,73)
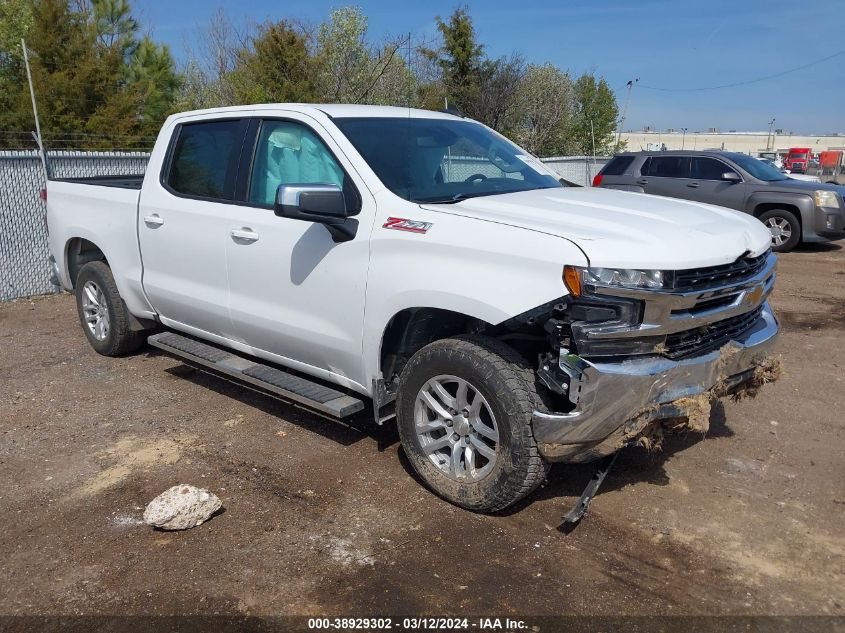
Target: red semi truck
(798,159)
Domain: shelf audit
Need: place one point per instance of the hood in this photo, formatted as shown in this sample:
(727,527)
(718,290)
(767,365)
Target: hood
(625,230)
(799,185)
(805,178)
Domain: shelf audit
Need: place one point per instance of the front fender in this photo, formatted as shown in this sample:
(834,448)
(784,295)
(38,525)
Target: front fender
(481,269)
(803,202)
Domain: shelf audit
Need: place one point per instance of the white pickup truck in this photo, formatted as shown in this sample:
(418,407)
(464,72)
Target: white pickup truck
(342,255)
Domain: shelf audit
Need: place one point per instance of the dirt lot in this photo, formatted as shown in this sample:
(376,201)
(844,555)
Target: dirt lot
(325,519)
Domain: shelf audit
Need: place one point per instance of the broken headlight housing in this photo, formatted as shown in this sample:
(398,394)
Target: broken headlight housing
(593,313)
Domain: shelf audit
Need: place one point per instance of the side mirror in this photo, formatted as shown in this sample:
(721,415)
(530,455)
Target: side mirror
(730,176)
(322,203)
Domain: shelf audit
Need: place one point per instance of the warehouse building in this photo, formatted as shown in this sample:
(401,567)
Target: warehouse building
(732,141)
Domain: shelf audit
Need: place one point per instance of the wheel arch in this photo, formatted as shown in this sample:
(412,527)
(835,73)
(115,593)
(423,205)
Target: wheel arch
(801,205)
(411,329)
(78,252)
(763,207)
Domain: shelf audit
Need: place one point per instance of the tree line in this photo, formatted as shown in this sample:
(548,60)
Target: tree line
(101,84)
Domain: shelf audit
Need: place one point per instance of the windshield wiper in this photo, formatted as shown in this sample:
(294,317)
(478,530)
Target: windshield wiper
(460,196)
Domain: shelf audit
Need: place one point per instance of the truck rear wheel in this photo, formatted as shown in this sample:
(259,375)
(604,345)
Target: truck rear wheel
(784,227)
(464,410)
(102,313)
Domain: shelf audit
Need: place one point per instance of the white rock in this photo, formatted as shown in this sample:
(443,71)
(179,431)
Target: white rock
(181,507)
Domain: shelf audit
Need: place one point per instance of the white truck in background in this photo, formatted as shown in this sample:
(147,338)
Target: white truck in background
(342,255)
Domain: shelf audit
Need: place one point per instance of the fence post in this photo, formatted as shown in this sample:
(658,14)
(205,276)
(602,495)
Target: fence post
(41,151)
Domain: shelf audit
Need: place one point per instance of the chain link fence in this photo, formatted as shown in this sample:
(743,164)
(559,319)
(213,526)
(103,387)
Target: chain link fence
(24,268)
(577,169)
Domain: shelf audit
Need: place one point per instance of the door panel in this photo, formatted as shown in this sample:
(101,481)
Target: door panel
(706,184)
(184,223)
(185,263)
(293,291)
(664,176)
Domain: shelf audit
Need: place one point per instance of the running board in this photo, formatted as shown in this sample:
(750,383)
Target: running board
(276,381)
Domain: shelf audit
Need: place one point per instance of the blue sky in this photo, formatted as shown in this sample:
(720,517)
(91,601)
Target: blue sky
(667,44)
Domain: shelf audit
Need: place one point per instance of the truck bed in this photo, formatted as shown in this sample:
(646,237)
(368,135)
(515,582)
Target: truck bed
(102,210)
(133,181)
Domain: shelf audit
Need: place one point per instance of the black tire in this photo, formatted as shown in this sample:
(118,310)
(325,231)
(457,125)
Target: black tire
(507,384)
(118,338)
(779,216)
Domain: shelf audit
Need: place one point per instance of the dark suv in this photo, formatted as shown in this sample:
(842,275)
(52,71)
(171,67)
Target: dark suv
(793,210)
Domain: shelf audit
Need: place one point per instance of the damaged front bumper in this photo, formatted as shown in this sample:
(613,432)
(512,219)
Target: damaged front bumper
(609,395)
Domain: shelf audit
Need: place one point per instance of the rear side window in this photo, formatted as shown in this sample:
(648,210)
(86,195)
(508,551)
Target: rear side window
(667,167)
(205,159)
(617,166)
(709,168)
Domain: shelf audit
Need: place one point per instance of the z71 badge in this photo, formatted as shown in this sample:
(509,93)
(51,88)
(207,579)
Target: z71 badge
(404,224)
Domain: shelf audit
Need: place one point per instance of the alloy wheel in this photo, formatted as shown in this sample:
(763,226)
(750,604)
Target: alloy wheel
(96,310)
(456,428)
(780,229)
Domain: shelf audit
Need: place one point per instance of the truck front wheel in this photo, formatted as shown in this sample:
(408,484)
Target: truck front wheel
(102,313)
(464,410)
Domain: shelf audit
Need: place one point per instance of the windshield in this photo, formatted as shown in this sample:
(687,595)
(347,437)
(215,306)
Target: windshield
(757,168)
(798,156)
(443,160)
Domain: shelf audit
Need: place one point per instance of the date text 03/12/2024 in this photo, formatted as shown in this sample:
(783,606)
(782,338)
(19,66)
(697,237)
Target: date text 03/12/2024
(416,624)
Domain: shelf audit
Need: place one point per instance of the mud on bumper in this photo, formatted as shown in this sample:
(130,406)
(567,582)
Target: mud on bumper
(618,401)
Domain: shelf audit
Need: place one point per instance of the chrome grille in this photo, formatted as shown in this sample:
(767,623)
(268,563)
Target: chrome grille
(713,276)
(709,337)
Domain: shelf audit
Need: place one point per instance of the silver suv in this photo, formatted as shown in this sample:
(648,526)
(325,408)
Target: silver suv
(794,211)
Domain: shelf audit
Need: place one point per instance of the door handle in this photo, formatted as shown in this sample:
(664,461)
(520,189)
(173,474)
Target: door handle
(642,182)
(153,220)
(245,234)
(693,185)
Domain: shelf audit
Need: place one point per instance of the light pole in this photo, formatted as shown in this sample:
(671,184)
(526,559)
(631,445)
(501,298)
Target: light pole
(771,123)
(621,122)
(683,136)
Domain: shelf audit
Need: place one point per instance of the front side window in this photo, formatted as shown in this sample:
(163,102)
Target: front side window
(709,168)
(668,167)
(289,153)
(757,168)
(204,161)
(443,160)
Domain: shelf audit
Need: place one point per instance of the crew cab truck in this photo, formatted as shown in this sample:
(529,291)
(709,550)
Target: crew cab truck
(418,264)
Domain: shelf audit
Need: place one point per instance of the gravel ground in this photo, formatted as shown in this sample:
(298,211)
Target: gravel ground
(321,518)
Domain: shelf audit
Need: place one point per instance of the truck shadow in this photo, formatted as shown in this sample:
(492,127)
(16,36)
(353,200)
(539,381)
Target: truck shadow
(635,465)
(818,247)
(345,432)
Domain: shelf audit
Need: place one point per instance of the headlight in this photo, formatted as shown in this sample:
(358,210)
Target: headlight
(826,198)
(625,277)
(574,277)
